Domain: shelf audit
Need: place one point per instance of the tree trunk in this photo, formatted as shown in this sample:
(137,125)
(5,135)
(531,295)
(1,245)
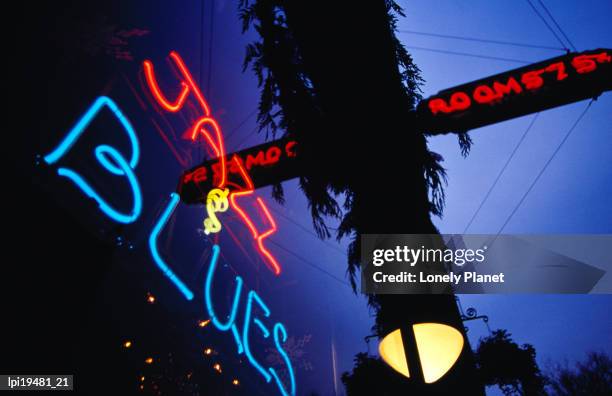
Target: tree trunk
(369,142)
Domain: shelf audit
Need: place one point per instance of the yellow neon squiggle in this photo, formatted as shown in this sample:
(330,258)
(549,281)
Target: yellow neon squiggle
(216,202)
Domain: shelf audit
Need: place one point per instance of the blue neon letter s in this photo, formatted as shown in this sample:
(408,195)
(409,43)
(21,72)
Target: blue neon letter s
(280,335)
(107,156)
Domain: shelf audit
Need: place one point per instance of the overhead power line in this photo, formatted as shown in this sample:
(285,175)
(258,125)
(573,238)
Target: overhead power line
(501,172)
(201,69)
(547,24)
(524,62)
(535,181)
(481,40)
(556,24)
(241,123)
(310,232)
(246,137)
(211,35)
(201,73)
(309,263)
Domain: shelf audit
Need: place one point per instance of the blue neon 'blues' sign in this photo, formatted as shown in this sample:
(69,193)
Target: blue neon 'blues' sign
(115,163)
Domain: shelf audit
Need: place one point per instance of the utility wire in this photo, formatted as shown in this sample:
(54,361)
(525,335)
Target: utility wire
(469,55)
(567,135)
(201,71)
(241,123)
(557,25)
(305,229)
(309,263)
(210,46)
(501,172)
(481,40)
(248,135)
(547,25)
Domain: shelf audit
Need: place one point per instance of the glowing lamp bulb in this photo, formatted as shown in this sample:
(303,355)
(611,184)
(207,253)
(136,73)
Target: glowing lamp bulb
(150,298)
(217,367)
(208,351)
(149,360)
(391,350)
(235,382)
(127,344)
(203,323)
(142,378)
(438,346)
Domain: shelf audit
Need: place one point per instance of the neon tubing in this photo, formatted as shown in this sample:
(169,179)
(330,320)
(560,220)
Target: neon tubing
(158,95)
(278,327)
(84,122)
(161,222)
(208,294)
(216,202)
(194,87)
(101,151)
(236,335)
(245,333)
(270,260)
(218,147)
(190,85)
(262,327)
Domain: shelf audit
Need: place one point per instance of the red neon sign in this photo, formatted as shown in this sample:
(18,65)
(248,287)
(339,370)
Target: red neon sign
(208,127)
(271,261)
(588,63)
(188,85)
(252,160)
(158,95)
(491,92)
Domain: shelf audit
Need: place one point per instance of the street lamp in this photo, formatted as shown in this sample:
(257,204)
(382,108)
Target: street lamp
(438,348)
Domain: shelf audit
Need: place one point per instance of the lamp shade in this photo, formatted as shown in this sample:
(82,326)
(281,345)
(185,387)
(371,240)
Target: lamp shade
(438,345)
(391,349)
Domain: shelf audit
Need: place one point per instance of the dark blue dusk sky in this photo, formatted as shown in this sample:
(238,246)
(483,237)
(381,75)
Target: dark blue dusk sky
(571,196)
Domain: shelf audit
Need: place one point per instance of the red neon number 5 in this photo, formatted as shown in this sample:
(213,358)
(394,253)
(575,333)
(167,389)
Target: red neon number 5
(588,63)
